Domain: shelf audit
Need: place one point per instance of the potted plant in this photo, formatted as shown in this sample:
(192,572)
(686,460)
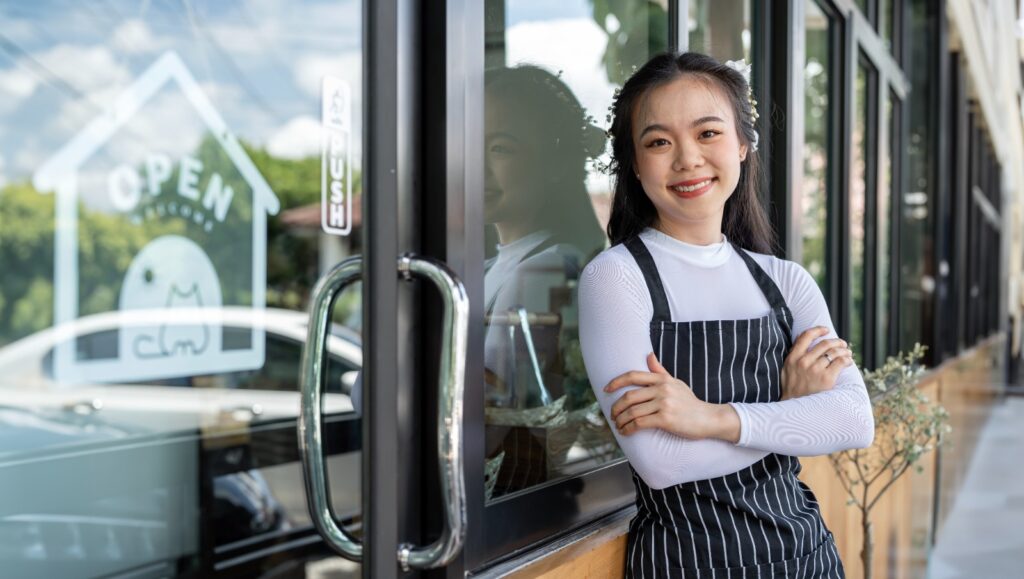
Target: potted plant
(907,426)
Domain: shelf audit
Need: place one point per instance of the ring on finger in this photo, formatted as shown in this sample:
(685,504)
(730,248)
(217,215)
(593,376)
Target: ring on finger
(829,358)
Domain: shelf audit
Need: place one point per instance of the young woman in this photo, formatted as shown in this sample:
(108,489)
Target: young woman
(715,362)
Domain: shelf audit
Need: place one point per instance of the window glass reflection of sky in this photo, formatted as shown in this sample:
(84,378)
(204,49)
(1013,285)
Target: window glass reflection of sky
(260,63)
(563,38)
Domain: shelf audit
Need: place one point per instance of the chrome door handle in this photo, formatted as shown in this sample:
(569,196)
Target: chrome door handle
(318,497)
(450,402)
(451,382)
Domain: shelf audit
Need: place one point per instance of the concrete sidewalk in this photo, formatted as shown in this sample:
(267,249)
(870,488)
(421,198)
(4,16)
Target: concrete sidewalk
(984,534)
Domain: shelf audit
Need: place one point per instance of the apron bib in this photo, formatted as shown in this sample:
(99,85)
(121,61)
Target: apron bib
(761,521)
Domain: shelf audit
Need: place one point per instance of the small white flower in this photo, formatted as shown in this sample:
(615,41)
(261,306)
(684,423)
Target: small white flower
(741,66)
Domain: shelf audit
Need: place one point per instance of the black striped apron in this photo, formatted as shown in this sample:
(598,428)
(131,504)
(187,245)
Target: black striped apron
(761,521)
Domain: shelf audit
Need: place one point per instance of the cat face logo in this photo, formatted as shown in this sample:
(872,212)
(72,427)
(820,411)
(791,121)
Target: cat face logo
(178,339)
(171,273)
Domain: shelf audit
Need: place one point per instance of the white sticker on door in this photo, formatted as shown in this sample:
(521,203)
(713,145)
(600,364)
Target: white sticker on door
(192,206)
(336,154)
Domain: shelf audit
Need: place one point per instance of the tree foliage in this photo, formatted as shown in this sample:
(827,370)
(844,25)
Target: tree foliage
(107,242)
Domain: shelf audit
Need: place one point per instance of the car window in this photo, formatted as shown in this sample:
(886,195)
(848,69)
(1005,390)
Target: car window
(280,370)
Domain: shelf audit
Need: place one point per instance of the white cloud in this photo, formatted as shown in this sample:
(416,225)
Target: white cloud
(312,68)
(572,46)
(133,36)
(17,82)
(89,69)
(3,175)
(298,138)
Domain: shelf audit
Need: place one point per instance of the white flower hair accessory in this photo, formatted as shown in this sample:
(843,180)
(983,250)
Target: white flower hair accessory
(743,67)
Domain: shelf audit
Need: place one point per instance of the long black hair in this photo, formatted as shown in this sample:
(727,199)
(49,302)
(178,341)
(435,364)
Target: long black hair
(744,221)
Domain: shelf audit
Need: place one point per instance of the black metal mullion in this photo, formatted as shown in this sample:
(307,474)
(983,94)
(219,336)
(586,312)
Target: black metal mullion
(453,43)
(897,186)
(840,250)
(784,56)
(380,460)
(872,160)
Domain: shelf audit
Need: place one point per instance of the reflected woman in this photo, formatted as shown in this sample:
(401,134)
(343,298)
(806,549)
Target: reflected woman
(538,142)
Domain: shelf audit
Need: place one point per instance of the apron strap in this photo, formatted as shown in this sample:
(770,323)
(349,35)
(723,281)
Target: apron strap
(768,288)
(646,262)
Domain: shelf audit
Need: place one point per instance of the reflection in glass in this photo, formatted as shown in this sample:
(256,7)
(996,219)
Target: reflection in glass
(887,191)
(160,183)
(816,127)
(721,28)
(858,197)
(546,202)
(885,21)
(538,142)
(863,5)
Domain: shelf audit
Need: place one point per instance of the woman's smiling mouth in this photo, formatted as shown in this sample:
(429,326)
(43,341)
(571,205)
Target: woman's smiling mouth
(693,187)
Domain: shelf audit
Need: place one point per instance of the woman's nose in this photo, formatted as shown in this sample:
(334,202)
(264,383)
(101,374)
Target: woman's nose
(688,156)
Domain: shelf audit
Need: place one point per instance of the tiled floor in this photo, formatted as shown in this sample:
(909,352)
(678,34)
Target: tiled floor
(983,537)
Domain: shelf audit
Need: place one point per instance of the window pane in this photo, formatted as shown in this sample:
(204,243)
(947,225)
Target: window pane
(552,73)
(887,191)
(816,131)
(858,198)
(160,233)
(721,28)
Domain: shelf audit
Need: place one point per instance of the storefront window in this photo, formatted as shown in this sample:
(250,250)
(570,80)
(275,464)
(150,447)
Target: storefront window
(721,28)
(817,110)
(160,232)
(551,76)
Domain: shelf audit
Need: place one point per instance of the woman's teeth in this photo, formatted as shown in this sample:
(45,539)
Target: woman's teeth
(689,188)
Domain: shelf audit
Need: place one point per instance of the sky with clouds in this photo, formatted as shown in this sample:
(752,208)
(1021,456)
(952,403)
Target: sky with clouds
(260,62)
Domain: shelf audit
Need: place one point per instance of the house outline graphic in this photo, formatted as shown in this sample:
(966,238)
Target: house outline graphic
(59,174)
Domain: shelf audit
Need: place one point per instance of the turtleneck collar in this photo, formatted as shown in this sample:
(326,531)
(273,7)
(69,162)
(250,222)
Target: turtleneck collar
(707,256)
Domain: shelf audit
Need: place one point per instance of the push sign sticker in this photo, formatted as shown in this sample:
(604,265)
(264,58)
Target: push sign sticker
(336,152)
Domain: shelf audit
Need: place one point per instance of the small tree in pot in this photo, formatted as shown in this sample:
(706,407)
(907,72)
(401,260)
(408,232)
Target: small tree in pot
(907,426)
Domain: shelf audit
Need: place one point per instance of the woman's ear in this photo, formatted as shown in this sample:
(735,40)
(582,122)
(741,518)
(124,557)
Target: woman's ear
(743,153)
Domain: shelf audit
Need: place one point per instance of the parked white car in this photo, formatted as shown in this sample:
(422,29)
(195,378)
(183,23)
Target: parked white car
(158,460)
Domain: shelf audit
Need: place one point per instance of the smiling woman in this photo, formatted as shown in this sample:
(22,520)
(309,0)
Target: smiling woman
(692,330)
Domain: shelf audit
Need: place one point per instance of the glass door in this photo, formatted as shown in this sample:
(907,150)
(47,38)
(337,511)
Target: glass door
(175,177)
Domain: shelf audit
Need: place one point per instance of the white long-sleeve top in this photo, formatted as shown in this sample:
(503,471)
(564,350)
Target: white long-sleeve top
(711,283)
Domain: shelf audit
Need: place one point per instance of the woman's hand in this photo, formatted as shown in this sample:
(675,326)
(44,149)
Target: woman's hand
(811,371)
(669,404)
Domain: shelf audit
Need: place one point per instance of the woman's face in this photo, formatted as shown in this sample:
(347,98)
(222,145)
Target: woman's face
(515,163)
(688,153)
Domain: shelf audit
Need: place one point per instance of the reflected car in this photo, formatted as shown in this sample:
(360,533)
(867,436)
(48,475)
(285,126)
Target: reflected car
(101,478)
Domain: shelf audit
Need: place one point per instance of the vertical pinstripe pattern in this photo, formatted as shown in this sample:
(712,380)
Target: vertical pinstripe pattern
(758,522)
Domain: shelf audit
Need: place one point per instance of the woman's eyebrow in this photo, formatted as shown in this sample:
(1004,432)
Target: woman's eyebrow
(696,123)
(654,127)
(707,119)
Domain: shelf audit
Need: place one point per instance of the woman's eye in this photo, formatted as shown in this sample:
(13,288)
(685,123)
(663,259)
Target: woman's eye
(502,149)
(708,134)
(658,143)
